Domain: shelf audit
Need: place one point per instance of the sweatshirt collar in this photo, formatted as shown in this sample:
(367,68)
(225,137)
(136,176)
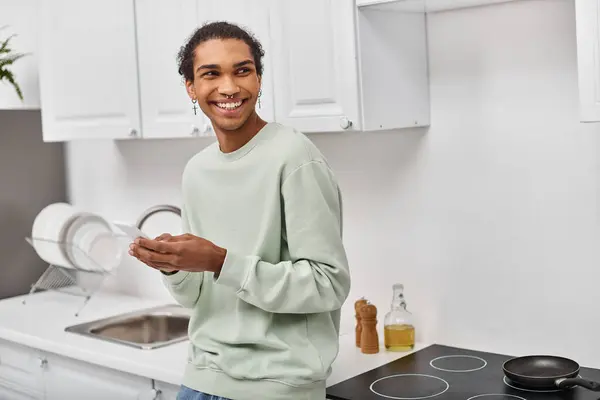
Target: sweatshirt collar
(261,135)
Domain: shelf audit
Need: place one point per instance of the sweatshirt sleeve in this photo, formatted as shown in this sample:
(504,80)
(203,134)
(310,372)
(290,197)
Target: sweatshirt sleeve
(184,286)
(317,277)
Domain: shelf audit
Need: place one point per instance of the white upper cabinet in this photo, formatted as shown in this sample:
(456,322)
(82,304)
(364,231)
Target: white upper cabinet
(114,76)
(162,28)
(338,68)
(588,58)
(88,69)
(109,69)
(252,15)
(314,56)
(19,18)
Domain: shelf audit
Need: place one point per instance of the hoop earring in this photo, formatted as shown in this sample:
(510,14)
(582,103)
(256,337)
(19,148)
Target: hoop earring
(194,101)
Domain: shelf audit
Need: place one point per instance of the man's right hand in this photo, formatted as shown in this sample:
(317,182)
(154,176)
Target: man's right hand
(168,271)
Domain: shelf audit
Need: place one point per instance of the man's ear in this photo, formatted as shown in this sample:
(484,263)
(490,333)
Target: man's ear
(191,91)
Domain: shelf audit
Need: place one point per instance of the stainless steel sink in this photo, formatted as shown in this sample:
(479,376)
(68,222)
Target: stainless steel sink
(144,329)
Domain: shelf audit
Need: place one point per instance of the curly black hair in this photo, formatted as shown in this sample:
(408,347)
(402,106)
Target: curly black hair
(217,30)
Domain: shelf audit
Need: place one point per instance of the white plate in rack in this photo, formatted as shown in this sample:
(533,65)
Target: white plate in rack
(93,244)
(49,231)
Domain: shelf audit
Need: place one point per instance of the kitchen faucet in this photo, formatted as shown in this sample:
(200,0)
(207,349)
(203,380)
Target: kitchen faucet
(156,209)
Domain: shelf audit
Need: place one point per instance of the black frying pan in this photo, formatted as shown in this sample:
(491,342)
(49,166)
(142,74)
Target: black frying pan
(546,372)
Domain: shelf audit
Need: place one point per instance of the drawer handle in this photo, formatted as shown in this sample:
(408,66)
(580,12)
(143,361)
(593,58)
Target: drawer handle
(155,393)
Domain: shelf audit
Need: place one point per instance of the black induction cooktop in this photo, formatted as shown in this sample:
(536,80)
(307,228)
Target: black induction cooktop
(448,373)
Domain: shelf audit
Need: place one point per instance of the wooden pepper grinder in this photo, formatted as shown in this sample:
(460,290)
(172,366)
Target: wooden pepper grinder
(369,339)
(358,331)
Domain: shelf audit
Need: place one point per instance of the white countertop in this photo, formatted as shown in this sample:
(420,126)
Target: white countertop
(41,323)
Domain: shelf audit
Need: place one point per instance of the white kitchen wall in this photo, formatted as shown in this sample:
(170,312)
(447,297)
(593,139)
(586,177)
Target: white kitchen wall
(509,183)
(489,218)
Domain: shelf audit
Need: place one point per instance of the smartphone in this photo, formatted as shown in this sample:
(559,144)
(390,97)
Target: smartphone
(131,231)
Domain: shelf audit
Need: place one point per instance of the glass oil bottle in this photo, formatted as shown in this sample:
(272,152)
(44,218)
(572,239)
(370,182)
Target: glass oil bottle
(399,329)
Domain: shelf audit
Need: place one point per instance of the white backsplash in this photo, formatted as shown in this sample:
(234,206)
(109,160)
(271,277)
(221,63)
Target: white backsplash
(489,218)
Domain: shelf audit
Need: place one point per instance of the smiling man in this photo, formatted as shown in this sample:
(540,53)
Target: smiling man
(261,265)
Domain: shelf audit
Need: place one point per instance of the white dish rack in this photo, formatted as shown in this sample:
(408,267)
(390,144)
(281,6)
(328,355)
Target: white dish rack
(71,279)
(82,249)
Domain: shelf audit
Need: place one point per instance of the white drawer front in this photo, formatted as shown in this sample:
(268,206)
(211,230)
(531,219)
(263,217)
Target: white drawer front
(21,369)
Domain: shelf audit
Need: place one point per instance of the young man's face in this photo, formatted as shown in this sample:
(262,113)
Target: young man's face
(226,84)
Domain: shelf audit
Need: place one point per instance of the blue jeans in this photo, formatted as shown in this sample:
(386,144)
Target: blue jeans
(185,393)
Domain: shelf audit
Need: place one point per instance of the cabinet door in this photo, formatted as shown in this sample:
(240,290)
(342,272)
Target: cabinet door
(10,392)
(252,15)
(315,64)
(162,28)
(71,379)
(21,372)
(88,69)
(588,56)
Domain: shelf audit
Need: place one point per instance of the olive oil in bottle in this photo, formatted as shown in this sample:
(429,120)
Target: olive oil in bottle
(399,329)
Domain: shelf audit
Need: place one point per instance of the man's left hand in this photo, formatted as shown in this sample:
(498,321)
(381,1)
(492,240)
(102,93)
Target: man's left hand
(183,252)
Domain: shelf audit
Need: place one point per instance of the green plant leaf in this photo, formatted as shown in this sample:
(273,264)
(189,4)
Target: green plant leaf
(8,58)
(4,47)
(11,79)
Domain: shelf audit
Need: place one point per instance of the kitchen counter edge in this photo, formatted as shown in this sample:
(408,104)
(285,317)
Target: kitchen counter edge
(163,365)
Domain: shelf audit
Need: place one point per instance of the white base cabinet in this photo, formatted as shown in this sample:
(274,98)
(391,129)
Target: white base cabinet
(30,374)
(68,379)
(166,391)
(21,372)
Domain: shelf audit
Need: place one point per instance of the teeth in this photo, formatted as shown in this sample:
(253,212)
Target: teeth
(229,106)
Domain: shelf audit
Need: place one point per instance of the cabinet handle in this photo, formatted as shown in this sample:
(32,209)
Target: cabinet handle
(154,394)
(345,123)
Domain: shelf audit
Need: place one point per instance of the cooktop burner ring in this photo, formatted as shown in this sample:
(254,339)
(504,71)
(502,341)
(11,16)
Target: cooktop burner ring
(497,394)
(446,384)
(484,363)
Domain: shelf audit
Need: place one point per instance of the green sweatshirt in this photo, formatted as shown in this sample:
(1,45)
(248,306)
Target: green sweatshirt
(268,326)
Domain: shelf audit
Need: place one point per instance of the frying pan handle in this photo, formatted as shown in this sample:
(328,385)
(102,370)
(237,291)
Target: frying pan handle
(591,385)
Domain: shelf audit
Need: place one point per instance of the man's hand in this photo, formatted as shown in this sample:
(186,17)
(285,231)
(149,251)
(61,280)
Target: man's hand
(159,266)
(184,252)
